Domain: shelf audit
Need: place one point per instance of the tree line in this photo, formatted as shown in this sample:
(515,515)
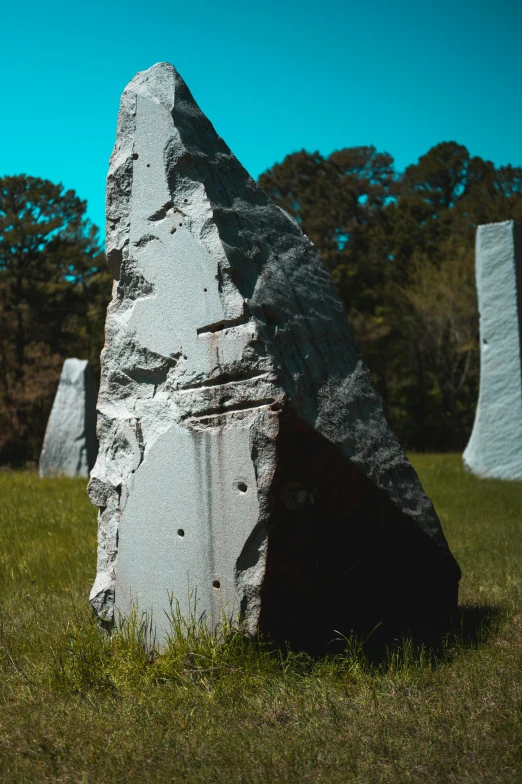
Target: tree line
(54,290)
(399,247)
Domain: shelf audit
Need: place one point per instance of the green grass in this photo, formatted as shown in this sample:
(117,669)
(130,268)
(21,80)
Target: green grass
(79,707)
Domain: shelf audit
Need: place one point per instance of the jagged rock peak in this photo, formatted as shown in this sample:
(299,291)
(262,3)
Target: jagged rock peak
(245,460)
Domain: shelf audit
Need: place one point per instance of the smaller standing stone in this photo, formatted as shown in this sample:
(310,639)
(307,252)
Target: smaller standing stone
(70,445)
(495,447)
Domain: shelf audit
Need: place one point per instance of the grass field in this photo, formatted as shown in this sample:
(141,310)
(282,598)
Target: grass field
(78,707)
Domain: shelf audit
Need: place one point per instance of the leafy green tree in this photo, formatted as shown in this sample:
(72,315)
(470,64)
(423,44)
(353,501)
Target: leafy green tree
(438,343)
(336,201)
(442,200)
(341,203)
(400,249)
(50,267)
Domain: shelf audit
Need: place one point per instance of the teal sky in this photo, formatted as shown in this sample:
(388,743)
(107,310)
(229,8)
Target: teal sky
(273,78)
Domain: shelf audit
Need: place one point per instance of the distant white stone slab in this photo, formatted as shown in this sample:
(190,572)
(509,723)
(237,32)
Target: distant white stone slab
(245,461)
(495,447)
(70,445)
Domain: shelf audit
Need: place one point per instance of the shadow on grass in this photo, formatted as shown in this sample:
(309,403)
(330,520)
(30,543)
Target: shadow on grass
(476,624)
(194,653)
(471,627)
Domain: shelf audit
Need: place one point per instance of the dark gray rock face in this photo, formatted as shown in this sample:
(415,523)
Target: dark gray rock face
(70,445)
(245,460)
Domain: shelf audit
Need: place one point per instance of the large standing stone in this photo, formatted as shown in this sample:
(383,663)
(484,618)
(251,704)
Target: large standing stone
(70,445)
(244,456)
(495,447)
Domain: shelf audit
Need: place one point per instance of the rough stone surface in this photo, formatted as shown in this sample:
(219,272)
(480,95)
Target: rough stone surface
(495,447)
(70,445)
(245,461)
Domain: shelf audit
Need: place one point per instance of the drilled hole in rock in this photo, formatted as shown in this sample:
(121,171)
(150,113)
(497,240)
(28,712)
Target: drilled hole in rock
(148,166)
(185,200)
(185,356)
(135,156)
(181,224)
(204,289)
(173,230)
(216,584)
(242,487)
(181,533)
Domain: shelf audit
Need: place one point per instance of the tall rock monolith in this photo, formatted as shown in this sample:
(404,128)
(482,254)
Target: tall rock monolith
(70,444)
(245,461)
(495,447)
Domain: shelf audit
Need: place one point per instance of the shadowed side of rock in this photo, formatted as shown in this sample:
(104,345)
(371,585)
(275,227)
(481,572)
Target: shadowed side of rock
(341,556)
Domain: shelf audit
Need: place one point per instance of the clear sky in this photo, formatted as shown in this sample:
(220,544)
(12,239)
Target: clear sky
(273,77)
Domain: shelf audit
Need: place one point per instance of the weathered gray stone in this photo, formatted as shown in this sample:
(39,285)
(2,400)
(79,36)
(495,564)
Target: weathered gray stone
(244,454)
(70,445)
(495,447)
